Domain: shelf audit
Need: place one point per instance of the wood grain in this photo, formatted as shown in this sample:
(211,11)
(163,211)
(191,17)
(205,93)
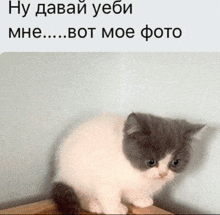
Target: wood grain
(48,207)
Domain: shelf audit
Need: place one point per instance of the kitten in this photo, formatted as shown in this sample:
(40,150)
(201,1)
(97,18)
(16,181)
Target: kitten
(110,161)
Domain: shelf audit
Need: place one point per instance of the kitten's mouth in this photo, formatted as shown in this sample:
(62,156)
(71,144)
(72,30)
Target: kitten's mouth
(161,178)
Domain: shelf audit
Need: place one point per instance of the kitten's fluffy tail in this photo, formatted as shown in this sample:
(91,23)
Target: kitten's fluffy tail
(65,199)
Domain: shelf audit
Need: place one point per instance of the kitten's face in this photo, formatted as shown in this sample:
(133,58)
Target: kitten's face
(161,170)
(158,147)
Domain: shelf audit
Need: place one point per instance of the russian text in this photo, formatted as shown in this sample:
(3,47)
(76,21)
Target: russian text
(81,32)
(18,7)
(116,8)
(45,9)
(161,32)
(118,33)
(22,33)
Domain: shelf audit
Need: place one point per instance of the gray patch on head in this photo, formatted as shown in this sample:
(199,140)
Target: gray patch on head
(150,137)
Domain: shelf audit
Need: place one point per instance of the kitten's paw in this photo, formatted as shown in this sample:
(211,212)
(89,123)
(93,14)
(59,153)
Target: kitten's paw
(95,207)
(143,203)
(121,209)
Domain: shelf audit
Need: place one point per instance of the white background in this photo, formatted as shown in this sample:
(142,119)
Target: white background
(198,19)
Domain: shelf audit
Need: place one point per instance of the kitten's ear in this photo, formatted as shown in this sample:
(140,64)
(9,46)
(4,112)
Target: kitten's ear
(195,130)
(134,125)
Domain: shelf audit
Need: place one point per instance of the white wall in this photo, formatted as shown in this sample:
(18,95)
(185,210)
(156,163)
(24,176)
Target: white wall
(41,93)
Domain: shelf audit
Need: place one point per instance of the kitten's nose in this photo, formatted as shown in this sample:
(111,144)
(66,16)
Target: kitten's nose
(163,174)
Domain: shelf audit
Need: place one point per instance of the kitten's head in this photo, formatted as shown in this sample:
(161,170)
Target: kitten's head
(158,146)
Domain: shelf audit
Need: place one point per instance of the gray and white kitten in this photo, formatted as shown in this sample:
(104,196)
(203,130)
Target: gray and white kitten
(110,161)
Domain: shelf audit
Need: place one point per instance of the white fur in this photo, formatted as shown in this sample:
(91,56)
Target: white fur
(91,160)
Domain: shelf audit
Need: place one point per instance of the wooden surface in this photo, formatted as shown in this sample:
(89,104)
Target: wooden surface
(48,207)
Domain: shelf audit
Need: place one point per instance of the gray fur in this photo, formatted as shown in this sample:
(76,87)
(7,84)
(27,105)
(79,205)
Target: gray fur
(151,137)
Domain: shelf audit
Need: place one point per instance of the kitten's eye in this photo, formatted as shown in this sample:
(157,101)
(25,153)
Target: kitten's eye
(151,162)
(175,162)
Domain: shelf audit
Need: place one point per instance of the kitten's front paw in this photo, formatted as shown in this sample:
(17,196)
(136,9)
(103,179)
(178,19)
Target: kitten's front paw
(121,209)
(94,207)
(143,203)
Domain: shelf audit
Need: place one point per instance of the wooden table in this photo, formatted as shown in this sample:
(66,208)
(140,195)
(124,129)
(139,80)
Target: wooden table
(48,207)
